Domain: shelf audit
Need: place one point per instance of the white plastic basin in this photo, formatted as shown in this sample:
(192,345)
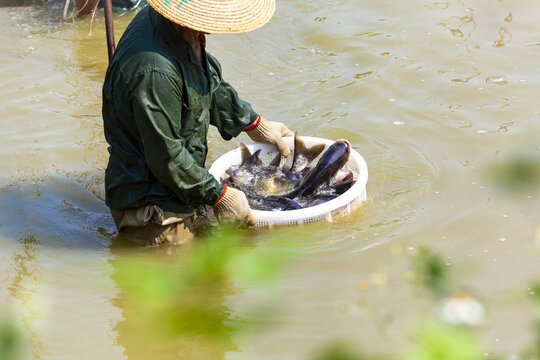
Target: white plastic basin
(340,206)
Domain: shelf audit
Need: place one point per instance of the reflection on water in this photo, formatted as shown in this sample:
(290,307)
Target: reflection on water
(439,97)
(174,298)
(25,286)
(192,324)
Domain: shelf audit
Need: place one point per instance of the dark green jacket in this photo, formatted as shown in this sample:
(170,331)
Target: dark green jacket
(158,102)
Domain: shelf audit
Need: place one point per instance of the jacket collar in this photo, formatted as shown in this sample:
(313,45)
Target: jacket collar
(166,28)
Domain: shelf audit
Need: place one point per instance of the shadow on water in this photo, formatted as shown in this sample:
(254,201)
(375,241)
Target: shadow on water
(170,306)
(172,299)
(54,233)
(60,212)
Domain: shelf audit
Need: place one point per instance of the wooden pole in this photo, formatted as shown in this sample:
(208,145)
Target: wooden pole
(109,28)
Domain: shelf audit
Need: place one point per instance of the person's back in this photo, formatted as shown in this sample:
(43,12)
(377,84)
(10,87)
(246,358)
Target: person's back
(161,93)
(144,64)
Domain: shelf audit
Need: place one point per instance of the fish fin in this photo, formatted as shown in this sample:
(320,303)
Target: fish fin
(253,159)
(286,168)
(314,151)
(276,161)
(299,148)
(246,154)
(257,159)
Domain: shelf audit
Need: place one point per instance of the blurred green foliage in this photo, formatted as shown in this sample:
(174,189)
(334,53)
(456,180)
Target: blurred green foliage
(431,272)
(535,291)
(520,172)
(431,341)
(339,351)
(436,341)
(10,341)
(185,297)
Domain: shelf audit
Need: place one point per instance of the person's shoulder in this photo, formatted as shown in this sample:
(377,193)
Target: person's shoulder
(150,61)
(142,50)
(141,58)
(213,66)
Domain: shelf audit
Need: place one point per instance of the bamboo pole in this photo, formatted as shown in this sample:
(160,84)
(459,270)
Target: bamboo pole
(109,28)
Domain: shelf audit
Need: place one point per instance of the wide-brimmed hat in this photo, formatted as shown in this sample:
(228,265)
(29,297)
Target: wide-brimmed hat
(217,16)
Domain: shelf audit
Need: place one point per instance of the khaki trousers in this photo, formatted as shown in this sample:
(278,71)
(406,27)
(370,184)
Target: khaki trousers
(151,226)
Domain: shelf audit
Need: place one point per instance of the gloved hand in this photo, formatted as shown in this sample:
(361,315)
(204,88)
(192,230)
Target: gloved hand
(270,132)
(233,208)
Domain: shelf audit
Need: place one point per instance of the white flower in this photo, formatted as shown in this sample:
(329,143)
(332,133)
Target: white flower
(461,308)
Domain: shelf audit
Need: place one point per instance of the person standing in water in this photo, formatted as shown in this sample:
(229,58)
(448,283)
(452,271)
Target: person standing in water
(162,90)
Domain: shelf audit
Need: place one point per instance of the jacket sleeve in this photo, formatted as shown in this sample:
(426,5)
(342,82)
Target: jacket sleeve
(228,112)
(156,101)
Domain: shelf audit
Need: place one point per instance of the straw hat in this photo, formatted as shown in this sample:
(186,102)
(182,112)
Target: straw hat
(217,16)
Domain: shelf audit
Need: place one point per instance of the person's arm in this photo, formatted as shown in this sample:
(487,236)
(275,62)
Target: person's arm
(228,113)
(156,102)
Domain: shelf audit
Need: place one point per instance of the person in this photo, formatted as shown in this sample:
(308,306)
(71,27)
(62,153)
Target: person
(161,92)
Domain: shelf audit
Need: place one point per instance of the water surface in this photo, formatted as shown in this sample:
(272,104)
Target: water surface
(441,99)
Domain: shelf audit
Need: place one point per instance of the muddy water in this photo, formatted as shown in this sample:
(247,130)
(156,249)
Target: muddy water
(441,99)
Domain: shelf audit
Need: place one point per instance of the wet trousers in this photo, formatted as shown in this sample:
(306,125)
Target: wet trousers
(151,226)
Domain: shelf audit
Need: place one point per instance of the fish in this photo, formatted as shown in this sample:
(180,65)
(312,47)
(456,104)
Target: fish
(248,160)
(333,159)
(278,186)
(303,156)
(251,174)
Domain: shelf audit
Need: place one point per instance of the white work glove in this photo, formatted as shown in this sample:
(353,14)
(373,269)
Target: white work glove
(270,132)
(233,208)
